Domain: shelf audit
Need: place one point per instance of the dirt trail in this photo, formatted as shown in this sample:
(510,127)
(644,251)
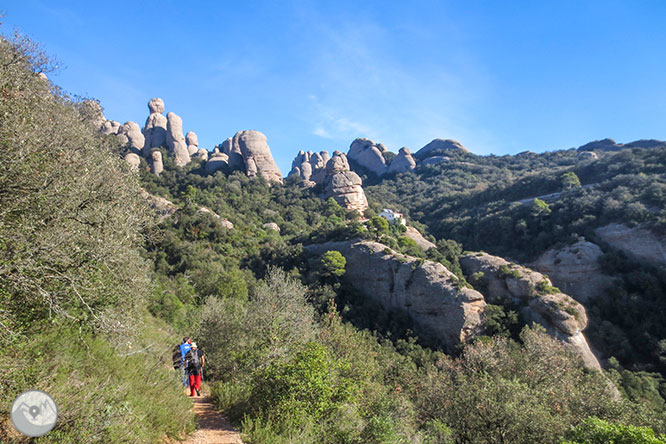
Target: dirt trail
(213,427)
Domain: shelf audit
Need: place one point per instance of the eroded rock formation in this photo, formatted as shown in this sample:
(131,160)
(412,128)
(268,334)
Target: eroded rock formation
(248,151)
(133,136)
(155,129)
(217,161)
(156,164)
(440,146)
(310,167)
(192,142)
(403,162)
(575,269)
(561,316)
(637,242)
(344,185)
(368,155)
(175,139)
(428,292)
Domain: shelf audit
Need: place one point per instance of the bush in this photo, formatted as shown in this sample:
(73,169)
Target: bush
(102,395)
(598,431)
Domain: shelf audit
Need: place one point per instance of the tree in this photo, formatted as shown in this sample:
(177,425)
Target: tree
(540,209)
(333,263)
(71,212)
(378,226)
(597,431)
(570,181)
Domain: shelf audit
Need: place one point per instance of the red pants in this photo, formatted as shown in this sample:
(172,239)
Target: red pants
(195,383)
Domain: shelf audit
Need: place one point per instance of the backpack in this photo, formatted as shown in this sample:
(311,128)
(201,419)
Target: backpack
(176,357)
(194,362)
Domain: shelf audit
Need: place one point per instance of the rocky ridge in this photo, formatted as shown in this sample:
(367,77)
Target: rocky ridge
(539,302)
(575,269)
(638,242)
(428,292)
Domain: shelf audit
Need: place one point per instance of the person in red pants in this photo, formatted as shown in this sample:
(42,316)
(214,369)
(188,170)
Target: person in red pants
(195,362)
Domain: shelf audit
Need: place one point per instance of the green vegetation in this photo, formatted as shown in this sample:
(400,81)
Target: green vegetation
(598,431)
(73,284)
(520,206)
(94,294)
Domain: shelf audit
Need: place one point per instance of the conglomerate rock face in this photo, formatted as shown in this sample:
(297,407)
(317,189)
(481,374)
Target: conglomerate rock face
(368,154)
(257,156)
(175,139)
(155,129)
(132,133)
(440,146)
(344,185)
(248,151)
(561,316)
(427,291)
(192,142)
(403,162)
(637,242)
(310,167)
(576,270)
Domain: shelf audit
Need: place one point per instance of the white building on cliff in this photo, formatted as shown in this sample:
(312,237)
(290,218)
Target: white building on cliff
(392,216)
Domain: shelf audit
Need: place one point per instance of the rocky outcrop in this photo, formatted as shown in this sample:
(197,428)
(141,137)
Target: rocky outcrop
(231,148)
(163,208)
(156,164)
(248,151)
(132,136)
(575,270)
(428,292)
(257,156)
(440,146)
(561,316)
(133,160)
(155,129)
(110,127)
(310,167)
(368,155)
(611,145)
(202,153)
(192,142)
(217,161)
(175,139)
(403,162)
(588,155)
(637,242)
(604,145)
(417,237)
(272,226)
(344,185)
(220,220)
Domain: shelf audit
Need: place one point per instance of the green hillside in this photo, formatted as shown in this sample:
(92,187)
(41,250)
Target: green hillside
(97,287)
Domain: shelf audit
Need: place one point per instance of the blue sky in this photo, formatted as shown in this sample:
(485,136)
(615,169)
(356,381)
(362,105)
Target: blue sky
(500,77)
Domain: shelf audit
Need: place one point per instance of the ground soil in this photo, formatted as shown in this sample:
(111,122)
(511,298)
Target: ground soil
(213,428)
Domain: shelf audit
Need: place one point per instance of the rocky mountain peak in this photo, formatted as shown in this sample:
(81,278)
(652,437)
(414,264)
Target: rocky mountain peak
(368,155)
(440,146)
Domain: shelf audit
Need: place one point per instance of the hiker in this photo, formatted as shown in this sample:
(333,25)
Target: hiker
(184,348)
(195,361)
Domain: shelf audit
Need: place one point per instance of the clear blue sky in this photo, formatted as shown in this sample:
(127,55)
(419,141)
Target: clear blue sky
(500,77)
